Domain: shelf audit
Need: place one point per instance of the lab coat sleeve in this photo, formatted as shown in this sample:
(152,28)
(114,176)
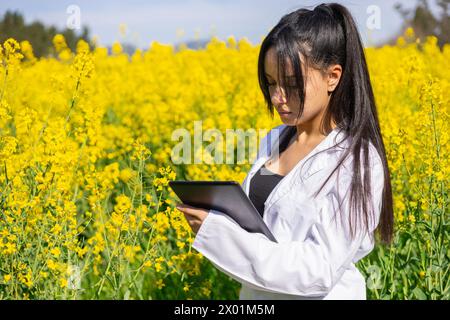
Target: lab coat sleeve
(306,268)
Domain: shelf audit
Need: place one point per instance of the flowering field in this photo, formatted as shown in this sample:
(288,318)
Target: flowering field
(85,157)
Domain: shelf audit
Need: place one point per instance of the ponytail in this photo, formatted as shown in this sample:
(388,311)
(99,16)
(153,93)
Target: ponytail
(363,121)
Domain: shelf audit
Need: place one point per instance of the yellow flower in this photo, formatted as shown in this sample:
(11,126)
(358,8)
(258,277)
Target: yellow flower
(206,291)
(122,29)
(126,174)
(150,167)
(409,32)
(117,48)
(63,282)
(51,265)
(440,176)
(160,284)
(59,42)
(27,50)
(10,248)
(180,244)
(11,53)
(56,229)
(130,252)
(158,267)
(123,204)
(55,252)
(7,277)
(26,279)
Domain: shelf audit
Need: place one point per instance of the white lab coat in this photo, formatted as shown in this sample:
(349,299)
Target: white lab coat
(314,257)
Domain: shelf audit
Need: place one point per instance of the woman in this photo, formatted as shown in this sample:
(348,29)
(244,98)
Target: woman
(329,189)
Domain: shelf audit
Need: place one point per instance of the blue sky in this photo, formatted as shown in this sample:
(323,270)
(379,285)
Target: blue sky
(162,21)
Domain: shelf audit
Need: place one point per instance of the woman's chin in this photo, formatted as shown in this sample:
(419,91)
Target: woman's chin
(289,121)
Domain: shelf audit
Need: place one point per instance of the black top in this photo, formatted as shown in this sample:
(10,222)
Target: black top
(264,180)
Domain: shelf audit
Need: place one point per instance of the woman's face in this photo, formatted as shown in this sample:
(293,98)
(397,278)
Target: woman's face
(316,91)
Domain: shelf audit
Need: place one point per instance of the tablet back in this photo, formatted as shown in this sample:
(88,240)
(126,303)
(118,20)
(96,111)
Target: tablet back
(225,196)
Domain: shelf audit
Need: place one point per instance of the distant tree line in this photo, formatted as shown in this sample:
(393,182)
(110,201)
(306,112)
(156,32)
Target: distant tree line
(425,22)
(12,25)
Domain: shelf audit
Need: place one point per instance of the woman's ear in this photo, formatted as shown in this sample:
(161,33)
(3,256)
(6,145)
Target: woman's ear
(334,75)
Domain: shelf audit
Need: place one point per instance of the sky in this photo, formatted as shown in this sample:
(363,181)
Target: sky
(174,21)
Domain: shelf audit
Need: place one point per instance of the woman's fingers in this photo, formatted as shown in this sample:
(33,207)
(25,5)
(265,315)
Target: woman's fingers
(193,222)
(194,216)
(195,212)
(189,217)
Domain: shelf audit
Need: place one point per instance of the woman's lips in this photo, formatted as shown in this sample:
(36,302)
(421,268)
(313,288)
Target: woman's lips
(284,113)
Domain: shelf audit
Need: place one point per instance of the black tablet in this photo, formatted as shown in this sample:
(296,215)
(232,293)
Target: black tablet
(225,196)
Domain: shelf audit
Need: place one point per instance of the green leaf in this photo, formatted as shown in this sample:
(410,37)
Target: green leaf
(419,294)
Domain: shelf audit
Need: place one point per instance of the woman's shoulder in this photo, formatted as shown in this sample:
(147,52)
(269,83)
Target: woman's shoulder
(374,165)
(374,157)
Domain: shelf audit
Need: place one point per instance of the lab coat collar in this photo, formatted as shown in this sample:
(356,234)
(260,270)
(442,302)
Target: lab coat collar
(312,167)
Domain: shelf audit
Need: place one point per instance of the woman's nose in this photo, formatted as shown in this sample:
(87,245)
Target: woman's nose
(278,96)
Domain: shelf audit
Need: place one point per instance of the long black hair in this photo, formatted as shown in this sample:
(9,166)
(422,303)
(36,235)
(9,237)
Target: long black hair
(325,36)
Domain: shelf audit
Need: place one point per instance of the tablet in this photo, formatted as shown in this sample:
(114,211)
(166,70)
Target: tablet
(225,196)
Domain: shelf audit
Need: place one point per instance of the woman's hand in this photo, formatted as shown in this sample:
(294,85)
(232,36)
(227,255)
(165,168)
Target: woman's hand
(194,216)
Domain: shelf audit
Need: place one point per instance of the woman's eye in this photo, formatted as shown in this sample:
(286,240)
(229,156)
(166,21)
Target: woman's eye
(291,84)
(271,84)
